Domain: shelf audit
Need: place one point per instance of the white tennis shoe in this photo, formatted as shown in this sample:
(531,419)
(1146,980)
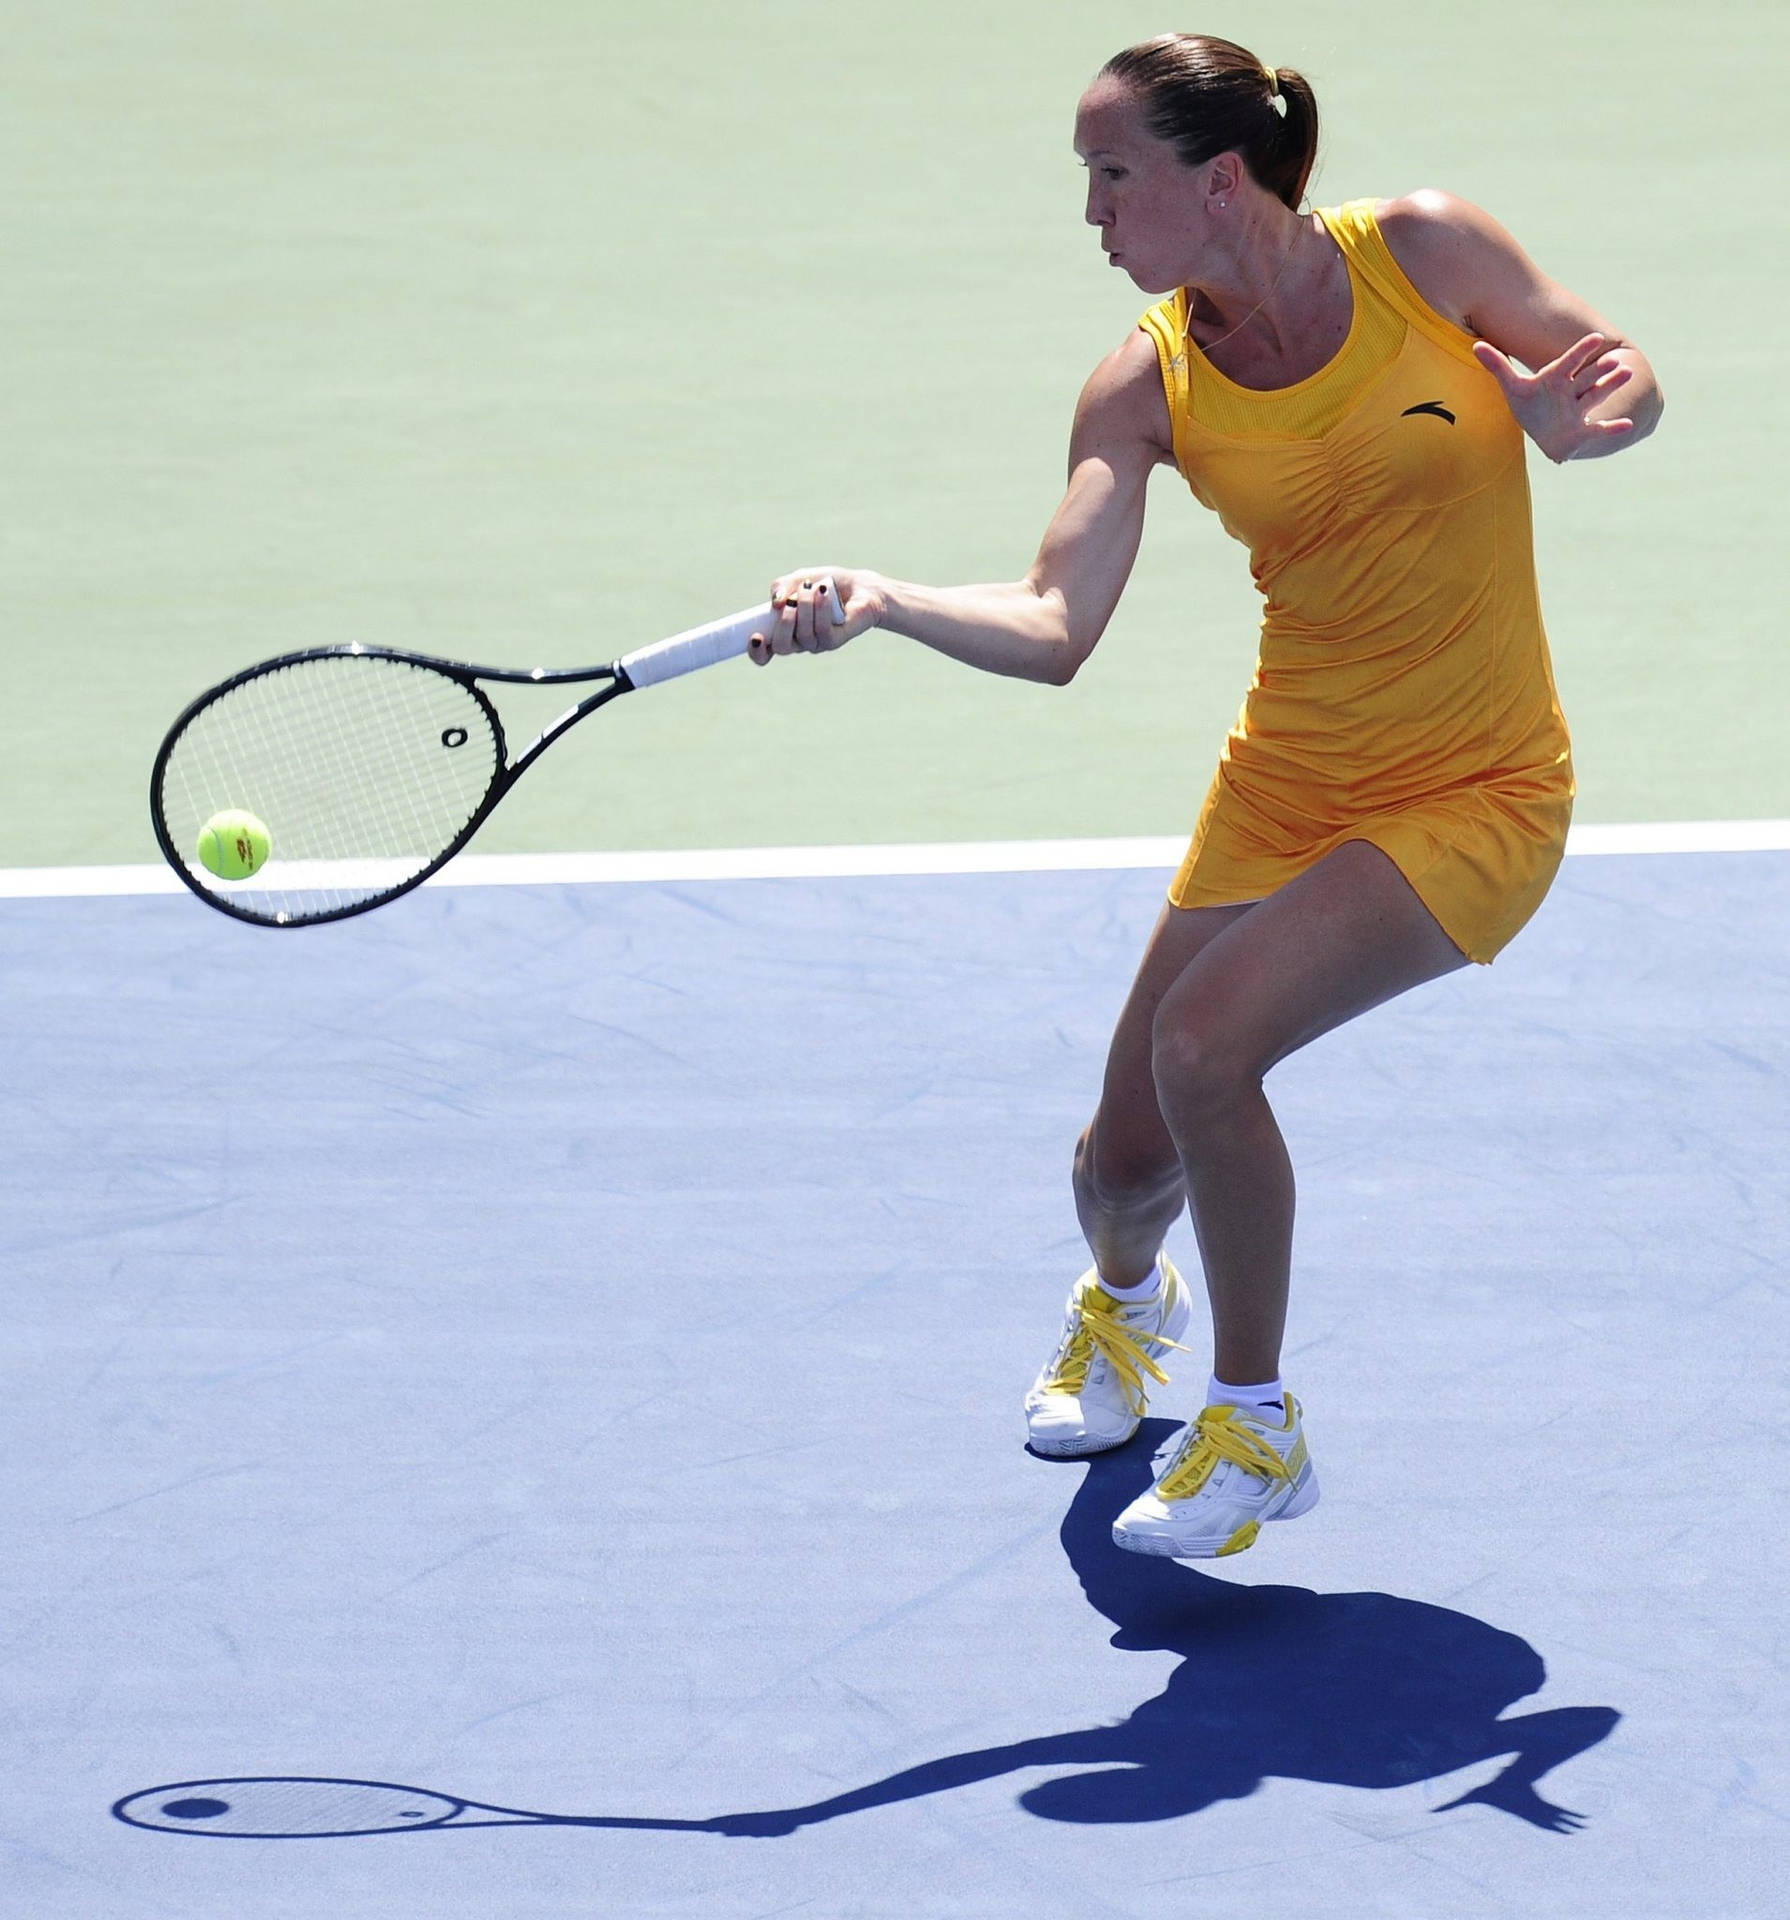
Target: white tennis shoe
(1090,1394)
(1234,1469)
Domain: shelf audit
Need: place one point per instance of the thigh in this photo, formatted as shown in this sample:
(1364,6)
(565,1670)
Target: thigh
(1349,934)
(1128,1139)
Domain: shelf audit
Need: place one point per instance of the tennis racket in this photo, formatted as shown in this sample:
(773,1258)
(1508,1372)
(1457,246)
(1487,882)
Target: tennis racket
(367,769)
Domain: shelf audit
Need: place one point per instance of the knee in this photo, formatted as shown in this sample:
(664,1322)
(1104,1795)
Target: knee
(1201,1071)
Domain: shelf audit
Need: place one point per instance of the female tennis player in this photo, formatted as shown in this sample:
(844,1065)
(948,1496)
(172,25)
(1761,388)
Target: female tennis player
(1346,390)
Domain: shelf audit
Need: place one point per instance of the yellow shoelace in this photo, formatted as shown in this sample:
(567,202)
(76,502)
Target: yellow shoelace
(1213,1437)
(1126,1350)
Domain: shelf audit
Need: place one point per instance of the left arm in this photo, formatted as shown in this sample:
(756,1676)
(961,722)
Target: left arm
(1591,391)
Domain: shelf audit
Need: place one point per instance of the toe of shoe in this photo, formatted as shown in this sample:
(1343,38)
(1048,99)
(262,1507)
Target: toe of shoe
(1150,1525)
(1144,1528)
(1145,1515)
(1058,1424)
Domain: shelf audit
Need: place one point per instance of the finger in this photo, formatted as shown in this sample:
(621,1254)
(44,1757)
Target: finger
(1499,366)
(1607,383)
(826,607)
(830,615)
(783,625)
(820,612)
(758,642)
(1596,430)
(1578,356)
(1583,376)
(805,627)
(773,637)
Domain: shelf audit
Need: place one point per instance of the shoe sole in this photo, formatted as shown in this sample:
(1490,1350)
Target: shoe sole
(1165,1547)
(1074,1446)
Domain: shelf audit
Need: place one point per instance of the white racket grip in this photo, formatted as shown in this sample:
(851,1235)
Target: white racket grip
(708,646)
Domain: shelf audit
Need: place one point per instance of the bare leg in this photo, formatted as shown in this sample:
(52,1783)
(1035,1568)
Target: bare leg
(1345,936)
(1129,1187)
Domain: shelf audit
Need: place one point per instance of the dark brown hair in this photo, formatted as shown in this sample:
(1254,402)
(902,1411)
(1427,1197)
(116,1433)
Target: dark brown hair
(1206,96)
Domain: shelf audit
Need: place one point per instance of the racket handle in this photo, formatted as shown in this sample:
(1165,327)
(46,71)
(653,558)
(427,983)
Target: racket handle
(708,646)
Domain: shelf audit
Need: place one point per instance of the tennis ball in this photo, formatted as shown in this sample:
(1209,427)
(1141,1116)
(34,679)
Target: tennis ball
(233,844)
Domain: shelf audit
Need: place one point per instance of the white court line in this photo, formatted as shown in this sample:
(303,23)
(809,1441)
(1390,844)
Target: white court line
(803,863)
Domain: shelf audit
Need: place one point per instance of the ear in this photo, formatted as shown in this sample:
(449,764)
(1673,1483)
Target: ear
(1224,175)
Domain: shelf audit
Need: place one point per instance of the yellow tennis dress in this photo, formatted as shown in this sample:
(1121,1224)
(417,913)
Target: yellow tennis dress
(1403,693)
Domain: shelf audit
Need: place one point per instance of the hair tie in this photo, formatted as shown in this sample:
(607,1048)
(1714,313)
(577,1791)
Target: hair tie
(1277,100)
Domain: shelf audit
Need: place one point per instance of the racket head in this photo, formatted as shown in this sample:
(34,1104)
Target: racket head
(370,768)
(287,1807)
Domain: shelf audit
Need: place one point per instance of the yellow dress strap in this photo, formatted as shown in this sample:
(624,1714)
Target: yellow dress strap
(1166,324)
(1357,232)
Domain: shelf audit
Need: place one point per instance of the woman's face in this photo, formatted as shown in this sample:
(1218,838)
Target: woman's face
(1150,209)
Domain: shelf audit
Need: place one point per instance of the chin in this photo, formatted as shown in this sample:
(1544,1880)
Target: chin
(1145,279)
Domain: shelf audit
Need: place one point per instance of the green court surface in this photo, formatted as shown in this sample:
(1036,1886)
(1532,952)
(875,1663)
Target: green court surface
(530,334)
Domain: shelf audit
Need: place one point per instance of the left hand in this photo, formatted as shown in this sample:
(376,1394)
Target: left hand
(1557,406)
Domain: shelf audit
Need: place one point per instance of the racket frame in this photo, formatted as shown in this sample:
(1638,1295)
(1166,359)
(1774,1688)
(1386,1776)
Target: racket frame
(616,683)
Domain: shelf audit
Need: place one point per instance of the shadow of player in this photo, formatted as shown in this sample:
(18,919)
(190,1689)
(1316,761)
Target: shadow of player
(1355,1689)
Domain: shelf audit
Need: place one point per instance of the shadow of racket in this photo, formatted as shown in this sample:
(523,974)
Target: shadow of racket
(304,1807)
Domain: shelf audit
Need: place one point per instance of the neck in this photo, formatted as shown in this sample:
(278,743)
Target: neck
(1250,271)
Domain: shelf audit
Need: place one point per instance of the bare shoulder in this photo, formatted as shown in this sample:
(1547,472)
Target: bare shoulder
(1449,249)
(1472,270)
(1123,406)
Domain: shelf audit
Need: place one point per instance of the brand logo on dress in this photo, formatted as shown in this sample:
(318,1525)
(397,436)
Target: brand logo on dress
(1430,406)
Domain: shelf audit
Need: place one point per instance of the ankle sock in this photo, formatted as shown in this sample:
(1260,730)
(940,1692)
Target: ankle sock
(1269,1398)
(1145,1289)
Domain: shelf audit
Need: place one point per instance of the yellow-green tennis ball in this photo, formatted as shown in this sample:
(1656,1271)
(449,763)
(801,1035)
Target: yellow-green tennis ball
(233,844)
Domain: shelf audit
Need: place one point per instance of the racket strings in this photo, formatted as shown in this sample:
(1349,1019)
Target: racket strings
(367,790)
(365,771)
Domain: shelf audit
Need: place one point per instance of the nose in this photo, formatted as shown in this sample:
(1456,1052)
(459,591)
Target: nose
(1098,213)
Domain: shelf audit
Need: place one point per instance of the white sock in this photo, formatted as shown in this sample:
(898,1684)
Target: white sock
(1269,1398)
(1144,1290)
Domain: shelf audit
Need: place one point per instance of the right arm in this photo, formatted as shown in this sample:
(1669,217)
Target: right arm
(1044,626)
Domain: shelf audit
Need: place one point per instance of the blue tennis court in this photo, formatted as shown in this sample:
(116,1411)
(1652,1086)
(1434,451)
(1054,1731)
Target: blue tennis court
(558,1349)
